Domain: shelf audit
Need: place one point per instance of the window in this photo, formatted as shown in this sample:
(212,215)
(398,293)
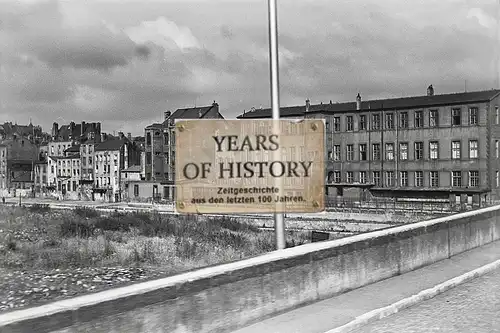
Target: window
(136,190)
(473,178)
(148,157)
(350,152)
(497,178)
(376,121)
(165,137)
(350,176)
(455,150)
(362,177)
(362,122)
(419,178)
(473,149)
(336,177)
(419,119)
(497,115)
(336,124)
(403,120)
(148,138)
(434,179)
(456,178)
(419,150)
(389,151)
(433,118)
(403,151)
(456,117)
(376,178)
(433,150)
(389,178)
(497,147)
(376,151)
(389,120)
(349,123)
(362,152)
(336,153)
(473,116)
(330,155)
(403,175)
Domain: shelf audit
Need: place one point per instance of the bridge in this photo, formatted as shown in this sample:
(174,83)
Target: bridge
(352,284)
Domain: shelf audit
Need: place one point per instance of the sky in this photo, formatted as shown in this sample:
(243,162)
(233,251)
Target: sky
(125,62)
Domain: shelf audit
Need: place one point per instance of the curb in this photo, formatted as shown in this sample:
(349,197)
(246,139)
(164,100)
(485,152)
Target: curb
(424,295)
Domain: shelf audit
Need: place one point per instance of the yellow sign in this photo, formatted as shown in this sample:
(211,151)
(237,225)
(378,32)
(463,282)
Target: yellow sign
(250,166)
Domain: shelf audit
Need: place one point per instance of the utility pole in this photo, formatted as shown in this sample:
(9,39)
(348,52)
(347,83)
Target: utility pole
(279,224)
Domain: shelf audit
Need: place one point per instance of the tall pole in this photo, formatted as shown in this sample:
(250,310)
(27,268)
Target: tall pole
(279,224)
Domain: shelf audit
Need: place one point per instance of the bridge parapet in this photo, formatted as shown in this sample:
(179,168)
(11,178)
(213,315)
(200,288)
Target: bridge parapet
(225,297)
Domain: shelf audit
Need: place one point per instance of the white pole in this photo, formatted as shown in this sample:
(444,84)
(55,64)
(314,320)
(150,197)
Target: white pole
(279,224)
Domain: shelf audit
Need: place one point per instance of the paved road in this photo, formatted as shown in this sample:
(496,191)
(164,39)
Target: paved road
(473,307)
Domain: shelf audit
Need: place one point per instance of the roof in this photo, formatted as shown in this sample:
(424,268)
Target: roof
(73,149)
(192,113)
(382,104)
(74,131)
(187,113)
(114,144)
(24,178)
(71,157)
(133,168)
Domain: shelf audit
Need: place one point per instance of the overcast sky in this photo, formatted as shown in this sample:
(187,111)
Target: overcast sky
(125,62)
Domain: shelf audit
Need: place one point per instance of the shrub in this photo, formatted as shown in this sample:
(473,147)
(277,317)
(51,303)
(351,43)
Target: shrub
(76,228)
(39,208)
(86,212)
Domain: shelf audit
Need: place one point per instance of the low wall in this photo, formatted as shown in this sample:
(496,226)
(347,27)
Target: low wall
(225,297)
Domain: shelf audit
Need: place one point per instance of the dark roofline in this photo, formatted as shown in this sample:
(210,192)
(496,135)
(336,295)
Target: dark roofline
(421,101)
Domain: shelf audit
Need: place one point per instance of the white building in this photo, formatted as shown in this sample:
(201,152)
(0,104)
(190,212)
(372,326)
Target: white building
(111,158)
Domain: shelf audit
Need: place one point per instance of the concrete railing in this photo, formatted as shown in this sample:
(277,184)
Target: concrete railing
(225,297)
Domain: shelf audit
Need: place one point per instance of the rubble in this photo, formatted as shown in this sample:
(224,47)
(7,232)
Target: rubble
(19,289)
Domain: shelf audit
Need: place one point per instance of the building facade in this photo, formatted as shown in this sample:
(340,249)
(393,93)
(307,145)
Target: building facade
(111,158)
(159,147)
(424,147)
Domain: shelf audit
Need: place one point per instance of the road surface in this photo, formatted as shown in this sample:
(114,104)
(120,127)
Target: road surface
(473,307)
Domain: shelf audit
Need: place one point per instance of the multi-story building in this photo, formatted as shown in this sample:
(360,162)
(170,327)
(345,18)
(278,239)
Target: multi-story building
(431,146)
(17,157)
(159,164)
(41,176)
(84,135)
(111,158)
(31,132)
(63,172)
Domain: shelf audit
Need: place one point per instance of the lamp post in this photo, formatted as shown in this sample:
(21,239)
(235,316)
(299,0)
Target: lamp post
(279,224)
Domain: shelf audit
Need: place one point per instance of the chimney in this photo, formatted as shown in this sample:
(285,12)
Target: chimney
(82,130)
(430,90)
(358,102)
(214,103)
(167,114)
(129,136)
(55,129)
(308,104)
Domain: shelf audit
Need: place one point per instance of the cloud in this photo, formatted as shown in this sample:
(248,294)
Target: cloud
(163,33)
(124,62)
(67,35)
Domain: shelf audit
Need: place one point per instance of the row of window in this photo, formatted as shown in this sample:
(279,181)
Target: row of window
(392,120)
(105,181)
(404,151)
(158,134)
(66,172)
(418,178)
(60,186)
